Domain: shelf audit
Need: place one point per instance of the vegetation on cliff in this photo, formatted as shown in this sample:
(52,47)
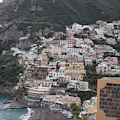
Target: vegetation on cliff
(61,12)
(9,70)
(9,66)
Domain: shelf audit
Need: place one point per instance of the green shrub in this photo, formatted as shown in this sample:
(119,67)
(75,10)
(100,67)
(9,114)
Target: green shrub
(75,112)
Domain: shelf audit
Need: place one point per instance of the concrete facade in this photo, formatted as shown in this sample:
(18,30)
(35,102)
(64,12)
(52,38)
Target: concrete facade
(108,99)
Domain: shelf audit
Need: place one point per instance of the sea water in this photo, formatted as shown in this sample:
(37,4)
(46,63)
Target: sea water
(13,114)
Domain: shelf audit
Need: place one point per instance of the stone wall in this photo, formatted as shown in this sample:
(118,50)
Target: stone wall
(110,100)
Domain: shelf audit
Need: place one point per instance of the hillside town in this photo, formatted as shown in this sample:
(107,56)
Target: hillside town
(56,68)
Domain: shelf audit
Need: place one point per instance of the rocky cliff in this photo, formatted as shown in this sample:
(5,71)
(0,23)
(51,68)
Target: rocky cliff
(10,32)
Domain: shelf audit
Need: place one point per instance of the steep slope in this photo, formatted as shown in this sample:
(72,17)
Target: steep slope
(63,12)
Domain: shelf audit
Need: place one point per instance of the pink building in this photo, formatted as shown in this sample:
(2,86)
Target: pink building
(113,60)
(67,100)
(58,35)
(54,51)
(99,54)
(84,47)
(92,55)
(71,43)
(79,31)
(103,68)
(41,72)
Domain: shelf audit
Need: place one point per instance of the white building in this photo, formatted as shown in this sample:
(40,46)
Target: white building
(80,58)
(64,79)
(63,42)
(84,47)
(88,61)
(115,70)
(99,31)
(74,51)
(39,90)
(99,59)
(111,41)
(104,48)
(76,26)
(52,75)
(78,85)
(62,70)
(90,103)
(65,49)
(110,25)
(87,26)
(88,41)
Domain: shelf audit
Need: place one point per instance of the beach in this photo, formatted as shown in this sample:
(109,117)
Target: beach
(46,114)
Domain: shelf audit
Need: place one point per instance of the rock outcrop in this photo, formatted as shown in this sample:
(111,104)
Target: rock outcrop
(10,32)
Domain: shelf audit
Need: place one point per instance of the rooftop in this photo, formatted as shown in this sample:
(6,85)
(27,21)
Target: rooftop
(110,78)
(92,110)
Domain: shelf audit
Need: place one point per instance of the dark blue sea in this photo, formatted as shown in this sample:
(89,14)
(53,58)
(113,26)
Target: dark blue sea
(12,114)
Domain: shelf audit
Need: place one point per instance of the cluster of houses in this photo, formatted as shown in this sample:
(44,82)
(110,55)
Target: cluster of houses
(109,65)
(61,60)
(90,108)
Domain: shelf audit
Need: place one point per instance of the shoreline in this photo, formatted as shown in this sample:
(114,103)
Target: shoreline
(44,113)
(27,115)
(14,114)
(33,112)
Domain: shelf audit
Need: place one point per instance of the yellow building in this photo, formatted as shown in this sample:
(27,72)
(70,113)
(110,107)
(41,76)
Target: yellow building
(75,65)
(75,70)
(34,82)
(64,79)
(108,98)
(44,61)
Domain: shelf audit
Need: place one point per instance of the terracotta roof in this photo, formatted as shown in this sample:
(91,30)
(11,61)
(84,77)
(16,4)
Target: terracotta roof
(92,110)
